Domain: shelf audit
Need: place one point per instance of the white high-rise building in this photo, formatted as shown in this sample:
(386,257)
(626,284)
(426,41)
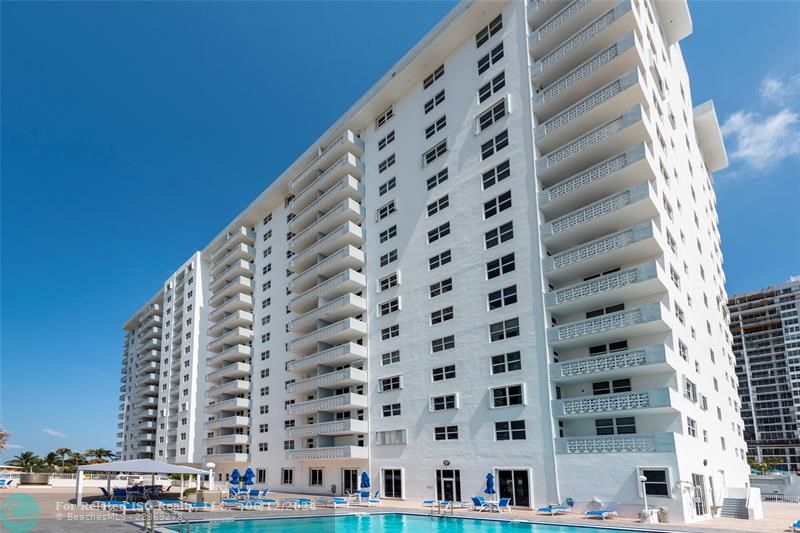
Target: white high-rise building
(503,258)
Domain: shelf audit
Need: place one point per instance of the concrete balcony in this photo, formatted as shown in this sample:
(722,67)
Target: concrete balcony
(228,421)
(151,319)
(625,247)
(540,11)
(626,363)
(231,338)
(631,283)
(148,414)
(347,233)
(676,21)
(146,437)
(603,179)
(234,238)
(236,319)
(236,353)
(149,390)
(238,268)
(150,344)
(555,30)
(148,403)
(605,444)
(239,252)
(232,439)
(343,354)
(152,333)
(236,386)
(147,368)
(150,356)
(346,187)
(348,257)
(344,306)
(646,319)
(146,425)
(220,458)
(598,71)
(347,165)
(347,330)
(347,211)
(233,404)
(598,34)
(338,379)
(599,107)
(341,402)
(348,142)
(234,303)
(621,133)
(709,136)
(343,283)
(608,215)
(663,400)
(337,427)
(328,452)
(230,371)
(240,285)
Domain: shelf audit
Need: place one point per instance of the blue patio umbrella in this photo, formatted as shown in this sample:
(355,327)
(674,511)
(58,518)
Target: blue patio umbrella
(364,480)
(248,476)
(489,484)
(235,475)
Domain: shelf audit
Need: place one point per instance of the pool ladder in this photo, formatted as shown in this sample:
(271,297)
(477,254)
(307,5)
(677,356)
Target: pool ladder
(149,518)
(440,509)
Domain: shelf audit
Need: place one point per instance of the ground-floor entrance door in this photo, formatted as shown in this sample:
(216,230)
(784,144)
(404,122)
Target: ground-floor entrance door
(514,484)
(699,493)
(349,480)
(448,485)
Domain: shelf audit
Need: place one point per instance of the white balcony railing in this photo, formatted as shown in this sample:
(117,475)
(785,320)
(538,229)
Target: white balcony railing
(605,444)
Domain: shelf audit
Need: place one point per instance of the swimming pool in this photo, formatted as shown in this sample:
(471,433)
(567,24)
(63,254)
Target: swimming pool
(386,523)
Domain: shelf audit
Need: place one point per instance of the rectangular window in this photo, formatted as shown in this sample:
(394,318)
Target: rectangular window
(384,117)
(435,153)
(439,260)
(391,409)
(390,332)
(386,141)
(443,403)
(442,315)
(506,362)
(507,396)
(502,297)
(434,102)
(443,373)
(387,384)
(441,287)
(499,235)
(437,126)
(388,257)
(497,205)
(389,307)
(387,186)
(511,430)
(388,233)
(437,179)
(657,483)
(287,474)
(438,204)
(431,78)
(607,387)
(445,433)
(386,210)
(492,115)
(500,266)
(505,329)
(494,145)
(386,164)
(490,59)
(691,427)
(395,436)
(491,87)
(439,232)
(489,31)
(445,343)
(315,477)
(496,174)
(389,358)
(620,426)
(388,282)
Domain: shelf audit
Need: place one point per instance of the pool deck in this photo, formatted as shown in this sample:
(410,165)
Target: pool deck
(57,516)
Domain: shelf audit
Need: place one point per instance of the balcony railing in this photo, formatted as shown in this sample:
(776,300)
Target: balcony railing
(328,452)
(237,236)
(346,305)
(228,421)
(340,402)
(337,379)
(610,363)
(647,314)
(347,211)
(346,353)
(348,141)
(348,257)
(346,187)
(337,427)
(347,233)
(636,443)
(614,403)
(345,330)
(347,281)
(348,164)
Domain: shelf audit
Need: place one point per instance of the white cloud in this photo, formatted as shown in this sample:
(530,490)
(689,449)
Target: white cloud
(53,432)
(14,446)
(763,141)
(779,89)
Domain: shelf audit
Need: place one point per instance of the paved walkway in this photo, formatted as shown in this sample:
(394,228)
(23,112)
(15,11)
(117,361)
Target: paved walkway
(58,514)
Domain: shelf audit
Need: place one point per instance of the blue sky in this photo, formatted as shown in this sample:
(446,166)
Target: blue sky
(131,132)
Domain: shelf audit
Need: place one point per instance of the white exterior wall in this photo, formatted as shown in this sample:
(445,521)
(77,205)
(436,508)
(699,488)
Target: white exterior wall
(561,448)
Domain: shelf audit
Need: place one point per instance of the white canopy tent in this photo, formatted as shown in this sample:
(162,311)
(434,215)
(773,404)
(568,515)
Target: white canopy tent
(136,466)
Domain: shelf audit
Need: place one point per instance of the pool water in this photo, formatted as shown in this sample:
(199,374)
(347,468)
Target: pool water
(385,523)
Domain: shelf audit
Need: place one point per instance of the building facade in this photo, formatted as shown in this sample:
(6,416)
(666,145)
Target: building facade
(765,326)
(503,258)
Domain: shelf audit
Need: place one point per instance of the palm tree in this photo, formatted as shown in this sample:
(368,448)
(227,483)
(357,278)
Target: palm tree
(3,439)
(103,454)
(26,460)
(50,461)
(63,452)
(76,458)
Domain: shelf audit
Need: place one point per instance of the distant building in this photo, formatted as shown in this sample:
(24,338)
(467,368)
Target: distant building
(766,342)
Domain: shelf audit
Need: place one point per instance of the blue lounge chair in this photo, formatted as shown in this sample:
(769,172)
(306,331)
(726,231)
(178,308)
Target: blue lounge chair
(428,503)
(601,513)
(795,526)
(554,509)
(123,506)
(504,505)
(339,501)
(3,484)
(181,505)
(375,499)
(119,494)
(479,504)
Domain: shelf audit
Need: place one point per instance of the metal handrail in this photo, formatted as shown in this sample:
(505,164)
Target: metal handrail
(149,517)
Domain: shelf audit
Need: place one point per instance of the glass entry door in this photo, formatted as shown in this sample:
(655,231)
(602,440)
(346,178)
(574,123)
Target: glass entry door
(392,483)
(448,485)
(514,484)
(699,492)
(349,480)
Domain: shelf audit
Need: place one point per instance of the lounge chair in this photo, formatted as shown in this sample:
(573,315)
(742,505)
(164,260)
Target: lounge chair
(106,494)
(339,501)
(601,513)
(554,509)
(795,527)
(504,505)
(181,505)
(479,504)
(428,503)
(374,500)
(119,494)
(305,503)
(123,506)
(267,502)
(5,483)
